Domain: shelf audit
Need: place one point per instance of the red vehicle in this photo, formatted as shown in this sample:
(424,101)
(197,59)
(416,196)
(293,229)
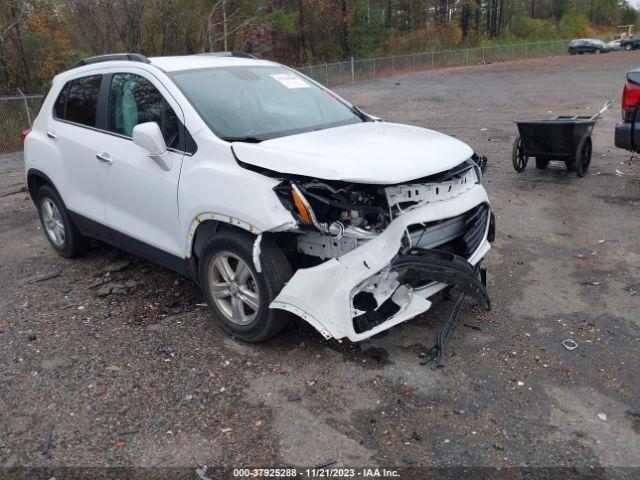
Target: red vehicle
(628,131)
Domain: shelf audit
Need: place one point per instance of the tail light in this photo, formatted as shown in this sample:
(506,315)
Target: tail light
(23,134)
(630,101)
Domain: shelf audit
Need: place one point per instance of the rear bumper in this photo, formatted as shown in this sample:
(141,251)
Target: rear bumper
(624,135)
(324,295)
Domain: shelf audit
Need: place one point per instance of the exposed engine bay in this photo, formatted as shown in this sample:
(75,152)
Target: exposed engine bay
(335,217)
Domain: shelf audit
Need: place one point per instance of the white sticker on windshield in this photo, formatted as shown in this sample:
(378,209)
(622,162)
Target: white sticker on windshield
(290,80)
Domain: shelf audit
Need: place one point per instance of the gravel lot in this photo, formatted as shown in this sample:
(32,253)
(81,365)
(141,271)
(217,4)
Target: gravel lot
(117,358)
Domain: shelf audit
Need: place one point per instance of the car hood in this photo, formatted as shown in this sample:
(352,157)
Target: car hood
(368,152)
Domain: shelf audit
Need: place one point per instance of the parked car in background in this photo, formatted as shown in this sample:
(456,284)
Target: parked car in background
(630,43)
(627,133)
(615,44)
(587,45)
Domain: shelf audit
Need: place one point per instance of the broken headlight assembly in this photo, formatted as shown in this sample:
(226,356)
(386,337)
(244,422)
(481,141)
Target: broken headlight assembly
(337,210)
(334,217)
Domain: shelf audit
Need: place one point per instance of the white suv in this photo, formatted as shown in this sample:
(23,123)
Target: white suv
(270,191)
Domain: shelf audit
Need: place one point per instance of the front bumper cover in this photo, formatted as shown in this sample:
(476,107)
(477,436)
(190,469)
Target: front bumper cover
(323,295)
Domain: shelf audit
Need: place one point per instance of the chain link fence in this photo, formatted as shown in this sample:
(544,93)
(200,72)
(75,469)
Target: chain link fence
(353,70)
(18,109)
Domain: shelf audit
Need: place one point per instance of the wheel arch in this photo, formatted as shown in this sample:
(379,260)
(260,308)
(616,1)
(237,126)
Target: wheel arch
(204,227)
(35,180)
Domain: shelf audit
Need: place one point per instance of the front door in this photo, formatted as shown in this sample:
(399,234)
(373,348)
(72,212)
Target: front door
(140,197)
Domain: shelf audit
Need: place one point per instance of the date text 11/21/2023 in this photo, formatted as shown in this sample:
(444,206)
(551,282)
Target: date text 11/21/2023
(316,472)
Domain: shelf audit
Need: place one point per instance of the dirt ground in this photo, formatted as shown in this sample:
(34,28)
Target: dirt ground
(116,358)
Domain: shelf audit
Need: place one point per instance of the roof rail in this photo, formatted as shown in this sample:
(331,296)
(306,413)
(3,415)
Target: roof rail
(132,57)
(230,54)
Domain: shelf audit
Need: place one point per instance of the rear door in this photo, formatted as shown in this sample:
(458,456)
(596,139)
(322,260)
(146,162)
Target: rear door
(72,132)
(140,197)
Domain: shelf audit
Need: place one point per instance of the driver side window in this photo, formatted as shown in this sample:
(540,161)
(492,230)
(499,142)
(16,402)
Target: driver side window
(133,100)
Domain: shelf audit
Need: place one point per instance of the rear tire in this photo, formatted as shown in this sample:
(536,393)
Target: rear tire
(242,295)
(542,164)
(62,234)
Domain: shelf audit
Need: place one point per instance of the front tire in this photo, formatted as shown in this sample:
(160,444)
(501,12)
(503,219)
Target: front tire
(628,47)
(57,226)
(239,296)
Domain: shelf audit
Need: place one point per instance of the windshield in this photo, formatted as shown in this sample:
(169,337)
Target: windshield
(262,102)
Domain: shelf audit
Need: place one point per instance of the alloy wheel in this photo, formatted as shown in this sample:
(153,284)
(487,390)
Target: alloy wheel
(234,288)
(53,223)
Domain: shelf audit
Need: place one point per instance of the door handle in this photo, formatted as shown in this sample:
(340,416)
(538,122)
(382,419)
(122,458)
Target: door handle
(51,135)
(105,158)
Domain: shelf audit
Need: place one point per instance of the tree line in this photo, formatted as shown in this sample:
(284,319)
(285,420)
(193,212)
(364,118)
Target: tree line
(39,38)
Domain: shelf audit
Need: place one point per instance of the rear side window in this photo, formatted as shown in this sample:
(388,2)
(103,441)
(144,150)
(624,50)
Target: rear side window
(133,100)
(78,101)
(60,107)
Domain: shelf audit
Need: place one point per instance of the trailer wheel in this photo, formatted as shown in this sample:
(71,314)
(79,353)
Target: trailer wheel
(518,157)
(542,164)
(583,157)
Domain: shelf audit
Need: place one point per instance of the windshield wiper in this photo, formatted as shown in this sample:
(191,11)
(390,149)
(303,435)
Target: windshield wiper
(242,139)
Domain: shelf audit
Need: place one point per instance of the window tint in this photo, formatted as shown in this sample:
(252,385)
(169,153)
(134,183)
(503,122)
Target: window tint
(59,108)
(82,101)
(134,100)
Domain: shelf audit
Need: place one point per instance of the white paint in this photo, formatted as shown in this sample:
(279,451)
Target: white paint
(369,152)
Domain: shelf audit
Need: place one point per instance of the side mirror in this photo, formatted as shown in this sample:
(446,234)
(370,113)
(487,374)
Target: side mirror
(149,137)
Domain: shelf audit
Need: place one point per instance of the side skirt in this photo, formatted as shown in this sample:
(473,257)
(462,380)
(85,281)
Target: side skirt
(93,229)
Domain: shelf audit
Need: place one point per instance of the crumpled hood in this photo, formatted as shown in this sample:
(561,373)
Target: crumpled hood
(369,152)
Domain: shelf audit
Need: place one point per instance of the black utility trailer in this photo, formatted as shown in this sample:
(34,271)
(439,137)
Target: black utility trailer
(562,138)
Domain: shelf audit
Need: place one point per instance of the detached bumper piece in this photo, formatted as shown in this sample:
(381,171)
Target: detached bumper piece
(416,270)
(420,268)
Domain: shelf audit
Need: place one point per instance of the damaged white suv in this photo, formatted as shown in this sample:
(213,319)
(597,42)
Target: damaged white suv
(274,194)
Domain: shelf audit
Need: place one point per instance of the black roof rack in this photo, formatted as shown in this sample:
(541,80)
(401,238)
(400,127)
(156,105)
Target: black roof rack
(230,54)
(132,57)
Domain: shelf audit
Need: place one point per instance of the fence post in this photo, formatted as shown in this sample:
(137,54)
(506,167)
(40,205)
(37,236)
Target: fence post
(413,56)
(526,52)
(467,57)
(432,59)
(393,64)
(484,62)
(26,107)
(353,71)
(326,73)
(374,67)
